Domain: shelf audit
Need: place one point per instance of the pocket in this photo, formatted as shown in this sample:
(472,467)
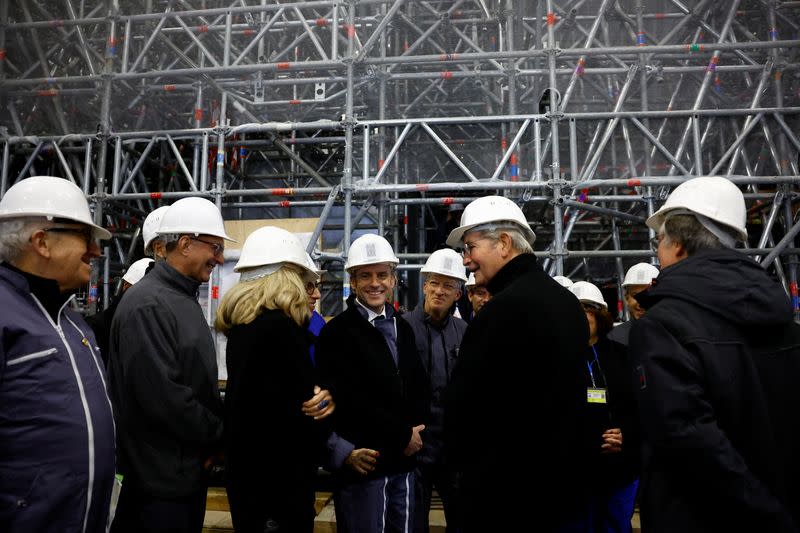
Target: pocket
(16,486)
(31,356)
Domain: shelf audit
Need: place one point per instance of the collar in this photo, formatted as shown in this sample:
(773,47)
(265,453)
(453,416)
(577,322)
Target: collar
(44,289)
(427,318)
(511,271)
(167,273)
(370,314)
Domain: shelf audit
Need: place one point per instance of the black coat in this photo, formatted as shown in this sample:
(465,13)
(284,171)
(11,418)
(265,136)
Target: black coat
(520,372)
(101,326)
(377,402)
(718,358)
(271,448)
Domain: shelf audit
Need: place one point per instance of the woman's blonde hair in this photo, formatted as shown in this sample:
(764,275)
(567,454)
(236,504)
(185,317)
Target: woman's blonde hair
(283,290)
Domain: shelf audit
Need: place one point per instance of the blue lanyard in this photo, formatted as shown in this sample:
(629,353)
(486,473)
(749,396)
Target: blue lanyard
(589,365)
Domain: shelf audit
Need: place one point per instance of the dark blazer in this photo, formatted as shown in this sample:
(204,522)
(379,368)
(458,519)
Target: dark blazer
(377,402)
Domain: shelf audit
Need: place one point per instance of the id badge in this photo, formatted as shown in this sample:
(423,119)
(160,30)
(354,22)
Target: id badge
(595,395)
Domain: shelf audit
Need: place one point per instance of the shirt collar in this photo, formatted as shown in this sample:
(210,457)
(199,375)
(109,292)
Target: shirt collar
(371,315)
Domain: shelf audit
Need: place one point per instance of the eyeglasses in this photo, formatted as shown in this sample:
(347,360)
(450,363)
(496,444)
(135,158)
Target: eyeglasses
(217,249)
(312,287)
(466,251)
(86,233)
(447,287)
(655,241)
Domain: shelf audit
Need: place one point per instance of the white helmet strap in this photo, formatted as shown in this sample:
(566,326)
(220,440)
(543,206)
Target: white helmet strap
(259,272)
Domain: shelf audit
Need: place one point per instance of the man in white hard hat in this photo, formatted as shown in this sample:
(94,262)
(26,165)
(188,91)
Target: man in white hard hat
(521,365)
(438,336)
(154,245)
(637,279)
(367,359)
(478,295)
(163,378)
(717,354)
(101,322)
(56,423)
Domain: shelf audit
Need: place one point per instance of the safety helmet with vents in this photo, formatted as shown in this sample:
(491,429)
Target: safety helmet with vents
(588,293)
(267,249)
(446,262)
(713,197)
(193,215)
(490,209)
(137,270)
(46,196)
(564,281)
(640,274)
(151,224)
(370,249)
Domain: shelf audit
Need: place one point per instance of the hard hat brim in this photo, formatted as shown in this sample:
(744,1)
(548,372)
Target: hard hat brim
(455,238)
(655,221)
(98,232)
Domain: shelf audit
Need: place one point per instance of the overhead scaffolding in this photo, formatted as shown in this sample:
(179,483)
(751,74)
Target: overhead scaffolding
(381,114)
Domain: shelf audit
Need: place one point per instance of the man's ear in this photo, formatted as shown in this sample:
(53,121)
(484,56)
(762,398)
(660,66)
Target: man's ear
(40,243)
(506,244)
(680,251)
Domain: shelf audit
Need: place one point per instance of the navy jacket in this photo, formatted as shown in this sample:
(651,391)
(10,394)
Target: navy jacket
(718,358)
(56,424)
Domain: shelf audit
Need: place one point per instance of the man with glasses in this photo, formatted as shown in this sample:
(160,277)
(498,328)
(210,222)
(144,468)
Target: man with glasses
(438,336)
(163,378)
(520,372)
(56,423)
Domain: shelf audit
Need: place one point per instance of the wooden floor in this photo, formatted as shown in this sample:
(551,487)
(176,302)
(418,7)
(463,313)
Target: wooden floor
(218,517)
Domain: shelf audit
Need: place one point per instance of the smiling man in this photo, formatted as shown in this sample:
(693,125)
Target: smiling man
(56,425)
(163,378)
(520,370)
(438,336)
(367,359)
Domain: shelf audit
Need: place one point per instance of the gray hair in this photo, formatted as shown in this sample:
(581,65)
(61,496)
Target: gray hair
(518,240)
(689,232)
(15,236)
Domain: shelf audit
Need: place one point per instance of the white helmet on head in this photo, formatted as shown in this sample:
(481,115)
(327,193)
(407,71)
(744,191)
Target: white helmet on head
(564,281)
(137,270)
(713,197)
(193,215)
(470,281)
(370,249)
(640,274)
(46,196)
(267,249)
(490,209)
(150,226)
(588,293)
(446,262)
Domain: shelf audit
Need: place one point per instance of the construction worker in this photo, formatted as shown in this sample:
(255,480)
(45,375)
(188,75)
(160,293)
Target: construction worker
(270,480)
(438,336)
(478,294)
(612,430)
(153,243)
(717,355)
(56,424)
(101,322)
(367,359)
(638,278)
(163,378)
(521,365)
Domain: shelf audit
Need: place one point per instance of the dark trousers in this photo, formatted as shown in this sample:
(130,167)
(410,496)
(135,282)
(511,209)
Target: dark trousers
(439,476)
(611,510)
(381,505)
(139,512)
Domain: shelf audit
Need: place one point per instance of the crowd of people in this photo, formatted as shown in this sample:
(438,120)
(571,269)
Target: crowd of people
(114,421)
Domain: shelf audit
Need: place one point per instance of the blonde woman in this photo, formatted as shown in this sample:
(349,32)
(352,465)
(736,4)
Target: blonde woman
(273,446)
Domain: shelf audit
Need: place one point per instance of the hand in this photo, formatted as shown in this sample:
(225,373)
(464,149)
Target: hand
(362,460)
(415,444)
(612,441)
(320,405)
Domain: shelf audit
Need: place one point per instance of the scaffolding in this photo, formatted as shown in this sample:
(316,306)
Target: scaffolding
(381,114)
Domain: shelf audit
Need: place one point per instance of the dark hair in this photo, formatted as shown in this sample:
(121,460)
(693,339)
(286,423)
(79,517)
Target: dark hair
(605,322)
(688,231)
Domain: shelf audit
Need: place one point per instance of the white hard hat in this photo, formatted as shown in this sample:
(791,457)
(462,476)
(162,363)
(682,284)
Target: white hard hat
(137,270)
(490,209)
(370,249)
(150,227)
(713,197)
(564,281)
(46,196)
(193,215)
(588,293)
(446,262)
(640,274)
(470,281)
(267,249)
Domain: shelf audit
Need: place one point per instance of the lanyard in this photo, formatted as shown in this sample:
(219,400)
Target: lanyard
(589,365)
